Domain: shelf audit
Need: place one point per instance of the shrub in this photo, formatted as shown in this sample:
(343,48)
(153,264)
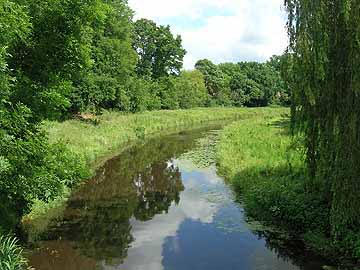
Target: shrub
(31,168)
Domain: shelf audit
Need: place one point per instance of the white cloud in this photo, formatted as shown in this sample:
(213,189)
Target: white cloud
(221,30)
(146,251)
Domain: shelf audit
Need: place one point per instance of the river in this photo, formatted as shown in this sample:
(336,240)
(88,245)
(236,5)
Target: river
(153,208)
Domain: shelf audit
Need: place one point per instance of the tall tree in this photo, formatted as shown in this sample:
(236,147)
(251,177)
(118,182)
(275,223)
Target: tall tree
(57,53)
(21,147)
(324,43)
(217,83)
(113,60)
(160,53)
(29,167)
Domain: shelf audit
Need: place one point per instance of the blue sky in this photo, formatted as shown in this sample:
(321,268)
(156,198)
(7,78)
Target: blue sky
(221,30)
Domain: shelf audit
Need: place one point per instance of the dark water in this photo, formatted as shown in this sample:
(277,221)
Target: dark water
(150,209)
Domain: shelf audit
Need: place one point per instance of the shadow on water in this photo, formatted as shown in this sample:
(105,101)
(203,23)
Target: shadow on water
(147,209)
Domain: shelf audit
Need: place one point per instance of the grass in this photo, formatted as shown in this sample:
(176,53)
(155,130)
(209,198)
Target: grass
(11,257)
(42,214)
(258,157)
(112,132)
(266,167)
(258,143)
(116,130)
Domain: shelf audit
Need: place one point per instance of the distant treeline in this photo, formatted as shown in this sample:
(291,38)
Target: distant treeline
(249,84)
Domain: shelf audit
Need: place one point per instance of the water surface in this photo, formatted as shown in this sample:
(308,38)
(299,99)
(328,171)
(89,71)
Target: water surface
(152,209)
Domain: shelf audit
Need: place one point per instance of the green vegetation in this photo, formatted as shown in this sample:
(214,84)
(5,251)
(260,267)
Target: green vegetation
(93,144)
(61,58)
(247,84)
(116,130)
(325,77)
(160,54)
(11,254)
(266,166)
(204,155)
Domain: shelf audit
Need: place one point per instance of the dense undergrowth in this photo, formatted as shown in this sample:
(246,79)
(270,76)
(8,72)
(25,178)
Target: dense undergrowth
(266,166)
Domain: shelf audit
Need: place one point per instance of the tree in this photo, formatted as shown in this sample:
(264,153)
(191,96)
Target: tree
(160,53)
(325,49)
(57,53)
(113,61)
(191,89)
(16,26)
(29,167)
(216,81)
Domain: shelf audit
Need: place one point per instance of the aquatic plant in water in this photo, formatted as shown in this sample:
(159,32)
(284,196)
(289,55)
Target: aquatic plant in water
(203,155)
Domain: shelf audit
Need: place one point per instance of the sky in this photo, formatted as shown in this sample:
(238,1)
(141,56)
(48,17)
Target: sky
(221,30)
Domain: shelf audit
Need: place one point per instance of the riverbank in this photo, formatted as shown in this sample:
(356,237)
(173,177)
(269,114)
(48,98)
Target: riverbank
(98,140)
(266,167)
(156,195)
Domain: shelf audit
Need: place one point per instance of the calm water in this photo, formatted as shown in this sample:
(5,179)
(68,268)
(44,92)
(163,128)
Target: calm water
(151,209)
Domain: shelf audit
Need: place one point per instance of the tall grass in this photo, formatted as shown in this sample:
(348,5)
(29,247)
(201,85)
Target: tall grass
(267,169)
(116,130)
(11,254)
(258,157)
(259,144)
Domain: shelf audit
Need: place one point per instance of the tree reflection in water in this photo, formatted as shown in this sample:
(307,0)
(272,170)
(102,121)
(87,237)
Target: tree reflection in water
(140,183)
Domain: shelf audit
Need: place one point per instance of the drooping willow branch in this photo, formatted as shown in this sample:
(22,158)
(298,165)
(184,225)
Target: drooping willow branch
(325,52)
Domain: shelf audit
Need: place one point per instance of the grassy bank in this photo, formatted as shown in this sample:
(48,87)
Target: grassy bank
(116,130)
(265,165)
(97,140)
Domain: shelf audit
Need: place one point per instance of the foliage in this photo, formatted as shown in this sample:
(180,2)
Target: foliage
(325,51)
(184,91)
(168,93)
(248,84)
(15,26)
(160,53)
(266,167)
(215,81)
(114,61)
(29,166)
(141,95)
(33,168)
(11,254)
(77,56)
(191,89)
(55,55)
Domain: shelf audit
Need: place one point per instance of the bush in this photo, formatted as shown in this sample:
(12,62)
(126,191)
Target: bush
(31,168)
(279,198)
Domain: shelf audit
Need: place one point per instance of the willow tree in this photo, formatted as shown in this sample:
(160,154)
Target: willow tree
(325,44)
